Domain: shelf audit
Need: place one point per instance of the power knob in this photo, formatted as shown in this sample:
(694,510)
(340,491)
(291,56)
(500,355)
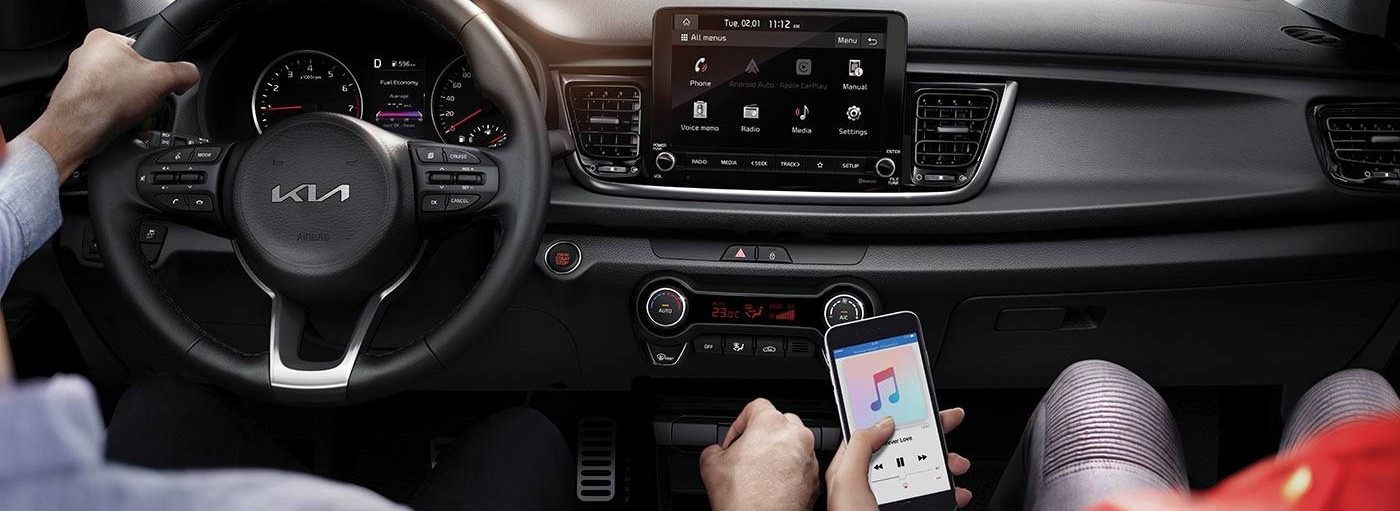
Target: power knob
(665,161)
(885,167)
(665,307)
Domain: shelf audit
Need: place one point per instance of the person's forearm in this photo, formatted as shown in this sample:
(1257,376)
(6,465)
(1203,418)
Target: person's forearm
(66,151)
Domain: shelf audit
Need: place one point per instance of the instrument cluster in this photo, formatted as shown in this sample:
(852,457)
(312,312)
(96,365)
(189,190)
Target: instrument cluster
(411,80)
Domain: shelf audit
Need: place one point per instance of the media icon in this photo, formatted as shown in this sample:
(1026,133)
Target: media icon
(852,113)
(700,110)
(701,66)
(750,111)
(752,68)
(882,376)
(801,112)
(804,67)
(853,68)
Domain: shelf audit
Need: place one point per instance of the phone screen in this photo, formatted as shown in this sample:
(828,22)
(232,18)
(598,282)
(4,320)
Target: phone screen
(887,378)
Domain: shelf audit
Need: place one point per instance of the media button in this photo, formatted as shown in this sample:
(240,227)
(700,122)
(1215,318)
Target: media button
(727,162)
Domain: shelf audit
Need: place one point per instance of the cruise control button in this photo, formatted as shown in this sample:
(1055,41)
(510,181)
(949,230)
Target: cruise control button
(205,154)
(766,346)
(738,344)
(461,156)
(429,154)
(740,253)
(434,203)
(458,202)
(470,178)
(773,255)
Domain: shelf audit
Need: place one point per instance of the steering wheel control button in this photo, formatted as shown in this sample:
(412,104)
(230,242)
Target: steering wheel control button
(469,178)
(460,201)
(665,355)
(665,307)
(429,154)
(152,233)
(176,156)
(190,178)
(174,201)
(200,203)
(562,257)
(740,253)
(738,345)
(844,308)
(885,167)
(440,178)
(460,156)
(205,154)
(665,161)
(768,346)
(773,255)
(433,203)
(710,344)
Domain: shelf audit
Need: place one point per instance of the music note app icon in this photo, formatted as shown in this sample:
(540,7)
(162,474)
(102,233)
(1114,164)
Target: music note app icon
(884,383)
(885,374)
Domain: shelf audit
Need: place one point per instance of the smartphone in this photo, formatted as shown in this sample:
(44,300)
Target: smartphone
(880,368)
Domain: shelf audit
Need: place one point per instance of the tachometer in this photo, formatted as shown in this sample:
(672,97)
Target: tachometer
(460,113)
(304,81)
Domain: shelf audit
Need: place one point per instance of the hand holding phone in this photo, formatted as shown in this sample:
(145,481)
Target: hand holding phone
(895,456)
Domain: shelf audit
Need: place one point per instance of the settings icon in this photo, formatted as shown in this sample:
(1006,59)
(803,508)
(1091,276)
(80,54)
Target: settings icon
(853,113)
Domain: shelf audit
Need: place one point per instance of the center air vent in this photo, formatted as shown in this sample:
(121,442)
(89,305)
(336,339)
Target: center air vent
(1317,37)
(607,123)
(951,130)
(1361,143)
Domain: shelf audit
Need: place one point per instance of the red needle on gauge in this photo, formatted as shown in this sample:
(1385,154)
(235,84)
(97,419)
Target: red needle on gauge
(279,108)
(464,119)
(497,139)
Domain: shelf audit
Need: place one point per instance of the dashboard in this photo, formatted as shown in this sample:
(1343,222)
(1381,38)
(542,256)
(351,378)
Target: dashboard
(413,82)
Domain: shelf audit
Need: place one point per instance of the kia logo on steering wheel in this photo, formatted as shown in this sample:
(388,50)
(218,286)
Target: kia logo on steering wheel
(307,193)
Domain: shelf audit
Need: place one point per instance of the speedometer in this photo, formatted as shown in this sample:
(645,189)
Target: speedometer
(460,113)
(304,81)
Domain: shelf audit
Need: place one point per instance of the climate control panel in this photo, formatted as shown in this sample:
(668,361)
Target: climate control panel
(677,317)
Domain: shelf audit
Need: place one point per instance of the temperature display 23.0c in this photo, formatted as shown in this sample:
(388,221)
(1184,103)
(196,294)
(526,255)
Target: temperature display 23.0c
(753,311)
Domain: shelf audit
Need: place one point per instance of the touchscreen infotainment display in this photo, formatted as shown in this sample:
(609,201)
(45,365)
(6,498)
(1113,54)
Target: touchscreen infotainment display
(813,92)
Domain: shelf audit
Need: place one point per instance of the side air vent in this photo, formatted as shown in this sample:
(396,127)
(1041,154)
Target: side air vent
(951,131)
(607,124)
(1361,144)
(1317,37)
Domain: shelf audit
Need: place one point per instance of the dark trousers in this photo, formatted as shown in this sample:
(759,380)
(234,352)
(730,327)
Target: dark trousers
(513,460)
(1101,430)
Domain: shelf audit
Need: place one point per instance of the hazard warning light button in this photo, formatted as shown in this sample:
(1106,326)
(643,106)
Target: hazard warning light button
(740,253)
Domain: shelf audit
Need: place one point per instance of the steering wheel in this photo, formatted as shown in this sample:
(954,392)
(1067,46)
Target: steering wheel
(328,212)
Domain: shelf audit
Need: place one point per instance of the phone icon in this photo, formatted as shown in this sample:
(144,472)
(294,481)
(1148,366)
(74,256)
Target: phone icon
(701,66)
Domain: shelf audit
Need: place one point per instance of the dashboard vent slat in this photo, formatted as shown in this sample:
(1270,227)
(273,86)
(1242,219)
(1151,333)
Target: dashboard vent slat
(607,120)
(1317,37)
(1361,144)
(951,130)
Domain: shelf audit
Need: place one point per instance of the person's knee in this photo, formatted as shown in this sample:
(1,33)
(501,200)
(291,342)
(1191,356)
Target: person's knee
(1097,377)
(1359,384)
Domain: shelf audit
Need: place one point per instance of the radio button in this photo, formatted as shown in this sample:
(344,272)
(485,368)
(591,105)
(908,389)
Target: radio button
(665,161)
(698,161)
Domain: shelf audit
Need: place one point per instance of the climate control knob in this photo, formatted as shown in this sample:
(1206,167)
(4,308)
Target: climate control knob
(665,307)
(884,167)
(843,308)
(665,161)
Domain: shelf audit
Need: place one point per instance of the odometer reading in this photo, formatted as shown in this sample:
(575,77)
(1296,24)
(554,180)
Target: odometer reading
(304,81)
(461,114)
